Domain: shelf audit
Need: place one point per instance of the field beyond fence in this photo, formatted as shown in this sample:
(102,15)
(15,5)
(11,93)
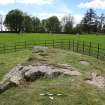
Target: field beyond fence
(87,48)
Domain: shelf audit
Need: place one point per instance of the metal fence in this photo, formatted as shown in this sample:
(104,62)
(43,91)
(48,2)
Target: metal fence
(87,48)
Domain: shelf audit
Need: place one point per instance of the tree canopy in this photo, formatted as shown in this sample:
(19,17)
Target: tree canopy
(14,20)
(53,24)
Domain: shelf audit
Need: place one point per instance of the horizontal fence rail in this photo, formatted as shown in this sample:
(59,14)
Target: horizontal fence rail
(87,48)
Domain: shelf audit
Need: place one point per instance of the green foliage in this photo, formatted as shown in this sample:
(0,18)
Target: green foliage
(27,24)
(53,24)
(67,24)
(36,24)
(18,21)
(13,20)
(68,28)
(92,23)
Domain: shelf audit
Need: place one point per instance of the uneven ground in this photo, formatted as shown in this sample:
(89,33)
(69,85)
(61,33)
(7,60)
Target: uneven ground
(74,89)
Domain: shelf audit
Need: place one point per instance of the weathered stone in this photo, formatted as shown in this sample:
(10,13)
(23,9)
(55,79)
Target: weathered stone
(85,63)
(5,86)
(30,73)
(15,75)
(38,49)
(96,80)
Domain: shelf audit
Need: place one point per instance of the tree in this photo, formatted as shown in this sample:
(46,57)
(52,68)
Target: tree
(53,24)
(67,24)
(103,30)
(27,23)
(43,25)
(101,23)
(77,29)
(13,20)
(35,24)
(89,21)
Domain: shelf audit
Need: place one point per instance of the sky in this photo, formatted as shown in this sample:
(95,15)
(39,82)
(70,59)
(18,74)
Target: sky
(46,8)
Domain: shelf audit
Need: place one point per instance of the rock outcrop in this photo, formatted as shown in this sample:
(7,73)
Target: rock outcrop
(19,74)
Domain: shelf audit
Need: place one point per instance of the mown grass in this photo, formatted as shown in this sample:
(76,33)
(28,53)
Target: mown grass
(74,89)
(11,42)
(12,37)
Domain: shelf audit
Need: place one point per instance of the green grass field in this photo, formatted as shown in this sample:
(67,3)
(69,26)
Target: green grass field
(74,89)
(11,37)
(10,42)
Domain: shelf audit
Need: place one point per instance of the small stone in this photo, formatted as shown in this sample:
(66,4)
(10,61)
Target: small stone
(59,94)
(50,94)
(51,98)
(85,63)
(42,94)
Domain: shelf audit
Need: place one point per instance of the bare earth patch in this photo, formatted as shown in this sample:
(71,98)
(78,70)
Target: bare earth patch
(96,80)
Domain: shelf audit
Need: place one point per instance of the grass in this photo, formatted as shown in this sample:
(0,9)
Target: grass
(11,37)
(12,42)
(74,89)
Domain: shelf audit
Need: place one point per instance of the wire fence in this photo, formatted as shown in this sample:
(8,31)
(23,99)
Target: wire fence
(87,48)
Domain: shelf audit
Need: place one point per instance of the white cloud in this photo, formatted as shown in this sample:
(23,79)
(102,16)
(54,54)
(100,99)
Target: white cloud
(61,12)
(77,18)
(3,12)
(45,15)
(96,4)
(37,2)
(5,2)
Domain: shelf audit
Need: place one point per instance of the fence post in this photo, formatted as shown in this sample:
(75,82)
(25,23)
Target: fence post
(98,51)
(77,45)
(73,45)
(45,43)
(90,49)
(61,44)
(25,44)
(15,46)
(83,47)
(53,44)
(69,44)
(4,48)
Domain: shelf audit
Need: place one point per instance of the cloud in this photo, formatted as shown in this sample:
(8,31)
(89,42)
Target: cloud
(77,18)
(5,2)
(96,4)
(61,12)
(36,2)
(3,12)
(45,15)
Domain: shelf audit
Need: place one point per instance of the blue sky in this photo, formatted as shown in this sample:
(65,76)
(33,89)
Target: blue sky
(46,8)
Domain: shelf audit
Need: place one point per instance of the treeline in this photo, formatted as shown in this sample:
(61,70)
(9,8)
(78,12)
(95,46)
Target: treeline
(18,21)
